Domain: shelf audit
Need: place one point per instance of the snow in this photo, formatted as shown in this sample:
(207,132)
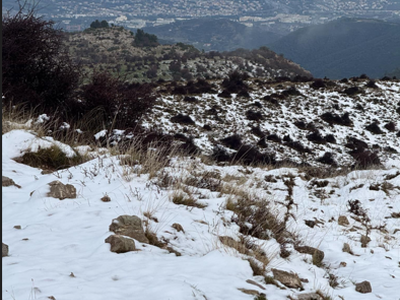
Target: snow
(60,250)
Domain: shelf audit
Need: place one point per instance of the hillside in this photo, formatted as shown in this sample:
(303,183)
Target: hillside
(214,34)
(112,49)
(344,48)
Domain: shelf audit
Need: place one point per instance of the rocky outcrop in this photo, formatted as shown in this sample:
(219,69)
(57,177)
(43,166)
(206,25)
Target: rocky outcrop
(364,287)
(129,226)
(61,191)
(317,254)
(5,181)
(120,244)
(291,280)
(4,250)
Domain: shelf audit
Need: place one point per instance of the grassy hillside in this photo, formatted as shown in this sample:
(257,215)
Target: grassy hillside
(344,48)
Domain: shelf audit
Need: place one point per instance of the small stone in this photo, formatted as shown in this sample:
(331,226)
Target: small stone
(364,287)
(346,248)
(343,264)
(120,244)
(178,227)
(317,254)
(343,221)
(61,191)
(364,240)
(17,226)
(290,280)
(4,250)
(310,223)
(309,296)
(106,199)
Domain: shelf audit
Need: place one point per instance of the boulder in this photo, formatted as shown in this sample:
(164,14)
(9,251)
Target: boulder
(129,226)
(317,254)
(309,296)
(5,181)
(4,250)
(291,280)
(343,221)
(61,191)
(364,287)
(120,244)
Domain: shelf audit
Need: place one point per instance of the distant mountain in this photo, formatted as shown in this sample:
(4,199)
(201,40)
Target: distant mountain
(214,34)
(344,48)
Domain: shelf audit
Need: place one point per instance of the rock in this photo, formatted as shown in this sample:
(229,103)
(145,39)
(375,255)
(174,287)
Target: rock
(5,181)
(129,226)
(346,248)
(343,221)
(310,223)
(291,280)
(120,244)
(364,240)
(106,199)
(364,287)
(317,254)
(4,250)
(61,191)
(17,226)
(309,296)
(178,227)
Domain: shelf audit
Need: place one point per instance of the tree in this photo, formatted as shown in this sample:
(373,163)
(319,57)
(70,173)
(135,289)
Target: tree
(37,68)
(143,39)
(97,24)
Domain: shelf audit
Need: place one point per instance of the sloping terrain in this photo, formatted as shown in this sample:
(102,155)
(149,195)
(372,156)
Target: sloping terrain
(344,48)
(337,123)
(246,233)
(113,50)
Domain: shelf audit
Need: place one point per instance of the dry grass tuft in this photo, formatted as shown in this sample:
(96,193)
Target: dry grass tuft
(178,197)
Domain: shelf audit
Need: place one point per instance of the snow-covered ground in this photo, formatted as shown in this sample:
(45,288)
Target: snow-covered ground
(59,252)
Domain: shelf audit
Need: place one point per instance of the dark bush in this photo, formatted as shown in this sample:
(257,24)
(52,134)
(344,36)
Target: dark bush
(390,126)
(304,126)
(220,154)
(330,138)
(254,115)
(365,158)
(249,155)
(182,119)
(36,66)
(235,82)
(273,137)
(316,137)
(374,128)
(332,118)
(257,131)
(372,84)
(225,94)
(115,101)
(292,91)
(318,83)
(271,100)
(233,141)
(356,144)
(352,91)
(190,99)
(327,159)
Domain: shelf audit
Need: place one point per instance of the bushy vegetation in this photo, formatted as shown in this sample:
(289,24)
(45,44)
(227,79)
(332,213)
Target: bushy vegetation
(37,69)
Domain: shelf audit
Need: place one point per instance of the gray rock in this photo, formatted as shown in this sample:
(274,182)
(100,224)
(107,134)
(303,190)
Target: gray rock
(343,221)
(364,287)
(129,226)
(364,240)
(120,244)
(309,296)
(4,250)
(291,280)
(5,181)
(61,191)
(317,254)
